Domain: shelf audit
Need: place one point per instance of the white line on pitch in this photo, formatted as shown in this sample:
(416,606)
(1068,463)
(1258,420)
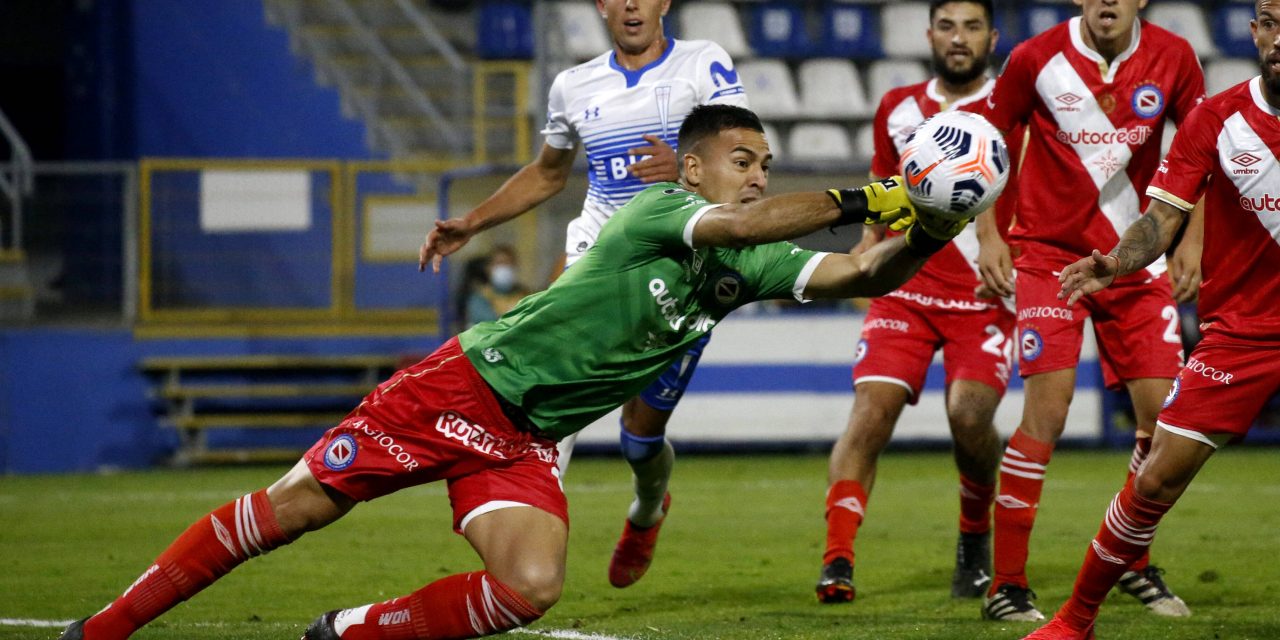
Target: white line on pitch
(25,622)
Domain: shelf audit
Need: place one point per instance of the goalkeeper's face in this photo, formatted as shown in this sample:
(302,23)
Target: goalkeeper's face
(731,166)
(634,25)
(962,39)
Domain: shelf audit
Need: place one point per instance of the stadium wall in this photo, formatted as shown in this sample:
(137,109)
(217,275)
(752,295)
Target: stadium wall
(215,80)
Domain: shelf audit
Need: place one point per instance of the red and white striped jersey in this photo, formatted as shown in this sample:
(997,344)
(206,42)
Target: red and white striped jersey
(952,275)
(1094,134)
(1227,152)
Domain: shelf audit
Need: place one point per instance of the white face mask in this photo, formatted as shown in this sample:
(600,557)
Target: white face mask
(503,278)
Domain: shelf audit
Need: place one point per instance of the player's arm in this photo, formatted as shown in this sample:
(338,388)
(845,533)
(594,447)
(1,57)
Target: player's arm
(872,234)
(995,262)
(532,185)
(661,164)
(794,215)
(1184,262)
(1144,241)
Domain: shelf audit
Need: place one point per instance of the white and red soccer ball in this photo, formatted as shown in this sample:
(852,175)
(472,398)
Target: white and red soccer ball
(955,165)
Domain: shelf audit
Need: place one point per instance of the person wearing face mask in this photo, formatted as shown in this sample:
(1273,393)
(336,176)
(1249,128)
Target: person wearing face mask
(492,299)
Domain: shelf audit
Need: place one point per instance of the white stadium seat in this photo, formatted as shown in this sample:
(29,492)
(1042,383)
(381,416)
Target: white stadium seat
(819,142)
(775,140)
(769,88)
(864,143)
(817,80)
(902,28)
(1221,75)
(585,36)
(714,21)
(1186,20)
(884,75)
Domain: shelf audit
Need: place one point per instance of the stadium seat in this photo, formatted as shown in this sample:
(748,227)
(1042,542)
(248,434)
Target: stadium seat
(583,30)
(1187,20)
(884,75)
(1231,30)
(817,99)
(504,31)
(1038,18)
(1220,75)
(714,21)
(864,143)
(769,88)
(904,25)
(849,31)
(819,142)
(775,140)
(778,30)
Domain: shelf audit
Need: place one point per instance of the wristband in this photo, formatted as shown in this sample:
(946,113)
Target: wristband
(922,245)
(852,204)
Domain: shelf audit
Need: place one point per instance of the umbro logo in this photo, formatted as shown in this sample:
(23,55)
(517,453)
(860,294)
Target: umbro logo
(1246,159)
(1010,502)
(852,504)
(1106,554)
(1068,101)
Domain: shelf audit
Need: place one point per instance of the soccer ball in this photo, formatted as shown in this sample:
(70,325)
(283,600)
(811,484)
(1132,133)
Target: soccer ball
(955,165)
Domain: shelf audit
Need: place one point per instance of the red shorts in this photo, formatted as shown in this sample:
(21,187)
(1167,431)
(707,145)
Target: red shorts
(899,337)
(1136,324)
(438,420)
(1218,395)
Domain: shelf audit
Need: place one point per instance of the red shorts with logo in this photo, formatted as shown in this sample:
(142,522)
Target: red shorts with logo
(438,420)
(1136,324)
(899,336)
(1223,387)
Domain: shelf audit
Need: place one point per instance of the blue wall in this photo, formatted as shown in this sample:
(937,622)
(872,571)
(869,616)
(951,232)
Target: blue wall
(214,79)
(74,399)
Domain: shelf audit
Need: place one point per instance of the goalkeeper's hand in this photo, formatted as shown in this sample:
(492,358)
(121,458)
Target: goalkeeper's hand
(880,202)
(931,232)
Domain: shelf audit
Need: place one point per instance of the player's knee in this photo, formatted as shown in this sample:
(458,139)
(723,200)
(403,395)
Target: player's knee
(637,449)
(538,582)
(1154,482)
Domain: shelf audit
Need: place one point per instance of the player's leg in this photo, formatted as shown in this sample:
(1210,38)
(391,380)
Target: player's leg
(644,445)
(1047,396)
(218,542)
(851,474)
(971,409)
(1049,337)
(1128,529)
(523,549)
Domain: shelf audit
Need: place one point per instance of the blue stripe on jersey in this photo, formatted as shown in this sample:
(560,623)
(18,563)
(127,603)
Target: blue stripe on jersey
(620,148)
(604,135)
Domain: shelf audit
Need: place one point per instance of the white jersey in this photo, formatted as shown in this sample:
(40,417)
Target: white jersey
(608,109)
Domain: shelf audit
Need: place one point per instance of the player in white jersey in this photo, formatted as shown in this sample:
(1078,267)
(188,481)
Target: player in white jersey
(625,108)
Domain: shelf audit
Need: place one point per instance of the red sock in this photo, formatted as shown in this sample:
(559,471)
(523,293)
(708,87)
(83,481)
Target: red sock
(846,506)
(1125,534)
(206,551)
(1141,447)
(1021,479)
(467,605)
(975,506)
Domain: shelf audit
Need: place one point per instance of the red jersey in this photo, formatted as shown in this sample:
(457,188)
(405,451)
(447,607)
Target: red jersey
(1227,152)
(952,274)
(1094,134)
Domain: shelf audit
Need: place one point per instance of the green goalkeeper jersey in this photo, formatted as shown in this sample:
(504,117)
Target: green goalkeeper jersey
(621,314)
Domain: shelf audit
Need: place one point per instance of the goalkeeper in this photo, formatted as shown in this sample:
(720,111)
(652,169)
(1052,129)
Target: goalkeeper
(485,410)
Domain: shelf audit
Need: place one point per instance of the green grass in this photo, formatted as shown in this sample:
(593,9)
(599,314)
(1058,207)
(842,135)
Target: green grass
(738,557)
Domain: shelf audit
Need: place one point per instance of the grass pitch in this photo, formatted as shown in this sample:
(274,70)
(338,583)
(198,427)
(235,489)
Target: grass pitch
(738,557)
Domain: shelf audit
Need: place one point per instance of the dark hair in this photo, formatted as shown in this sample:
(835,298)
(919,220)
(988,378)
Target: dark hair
(987,5)
(710,119)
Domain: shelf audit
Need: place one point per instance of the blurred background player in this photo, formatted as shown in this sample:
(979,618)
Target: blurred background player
(624,107)
(485,410)
(1095,93)
(936,309)
(1217,397)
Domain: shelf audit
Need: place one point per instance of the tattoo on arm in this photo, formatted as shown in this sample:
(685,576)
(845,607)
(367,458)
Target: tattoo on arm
(1144,241)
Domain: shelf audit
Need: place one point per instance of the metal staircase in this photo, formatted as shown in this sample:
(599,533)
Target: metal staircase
(403,67)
